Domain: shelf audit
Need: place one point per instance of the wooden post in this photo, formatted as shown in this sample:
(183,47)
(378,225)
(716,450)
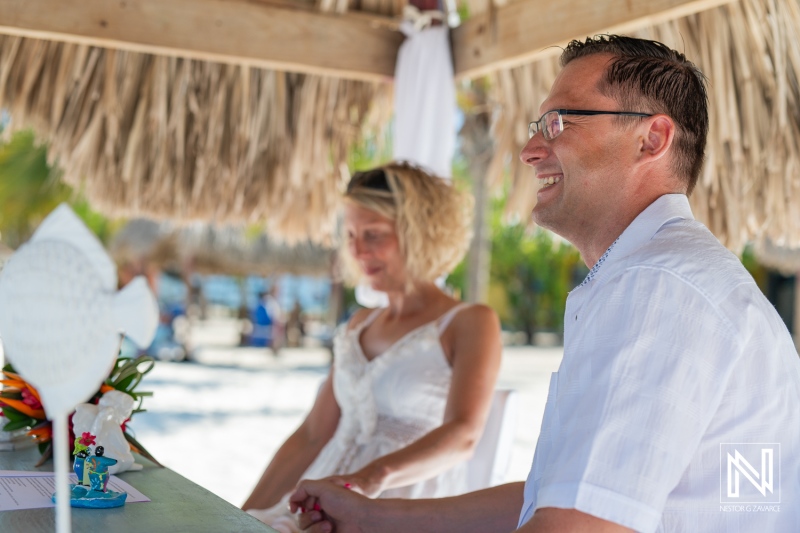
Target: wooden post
(477,147)
(481,247)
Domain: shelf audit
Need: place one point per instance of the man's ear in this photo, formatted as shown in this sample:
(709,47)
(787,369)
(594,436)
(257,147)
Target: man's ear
(657,137)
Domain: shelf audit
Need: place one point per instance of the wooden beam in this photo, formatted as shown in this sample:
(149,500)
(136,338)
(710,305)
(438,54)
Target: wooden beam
(528,30)
(231,31)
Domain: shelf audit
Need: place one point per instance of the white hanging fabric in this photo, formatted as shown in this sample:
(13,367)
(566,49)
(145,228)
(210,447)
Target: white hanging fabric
(424,106)
(425,95)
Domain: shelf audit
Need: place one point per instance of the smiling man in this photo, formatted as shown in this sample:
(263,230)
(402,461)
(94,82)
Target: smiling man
(677,404)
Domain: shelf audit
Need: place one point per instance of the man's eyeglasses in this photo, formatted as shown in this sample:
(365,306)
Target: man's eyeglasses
(551,124)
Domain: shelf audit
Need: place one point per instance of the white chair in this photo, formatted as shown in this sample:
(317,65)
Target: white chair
(489,463)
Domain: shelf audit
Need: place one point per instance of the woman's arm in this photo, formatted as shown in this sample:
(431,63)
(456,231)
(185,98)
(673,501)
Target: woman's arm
(474,340)
(298,452)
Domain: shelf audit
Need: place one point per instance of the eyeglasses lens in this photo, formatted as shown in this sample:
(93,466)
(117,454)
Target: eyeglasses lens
(552,125)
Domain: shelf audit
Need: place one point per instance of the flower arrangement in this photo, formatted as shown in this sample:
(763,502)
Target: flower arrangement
(21,405)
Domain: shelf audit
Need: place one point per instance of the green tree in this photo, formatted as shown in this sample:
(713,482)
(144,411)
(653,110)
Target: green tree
(536,272)
(30,189)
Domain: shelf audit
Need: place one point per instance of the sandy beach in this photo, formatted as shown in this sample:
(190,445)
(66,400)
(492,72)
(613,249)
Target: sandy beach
(219,419)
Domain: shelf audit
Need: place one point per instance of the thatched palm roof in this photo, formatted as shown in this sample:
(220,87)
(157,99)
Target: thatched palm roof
(194,139)
(205,249)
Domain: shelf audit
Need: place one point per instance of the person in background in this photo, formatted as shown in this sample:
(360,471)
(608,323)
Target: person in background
(267,321)
(276,316)
(411,384)
(295,326)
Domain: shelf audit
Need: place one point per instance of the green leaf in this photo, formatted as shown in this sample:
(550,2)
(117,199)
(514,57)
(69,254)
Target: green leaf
(17,424)
(13,414)
(126,383)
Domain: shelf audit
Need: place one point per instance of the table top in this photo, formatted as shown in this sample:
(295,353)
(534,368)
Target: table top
(177,505)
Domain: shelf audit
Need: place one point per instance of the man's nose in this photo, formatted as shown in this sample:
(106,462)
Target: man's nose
(534,150)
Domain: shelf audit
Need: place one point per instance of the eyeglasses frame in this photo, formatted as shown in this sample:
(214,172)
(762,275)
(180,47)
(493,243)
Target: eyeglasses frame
(581,112)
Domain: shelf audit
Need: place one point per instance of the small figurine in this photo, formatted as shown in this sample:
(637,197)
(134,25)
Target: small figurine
(97,467)
(91,490)
(81,452)
(79,465)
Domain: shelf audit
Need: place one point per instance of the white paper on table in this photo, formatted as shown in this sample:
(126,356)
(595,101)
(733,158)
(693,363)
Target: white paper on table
(34,490)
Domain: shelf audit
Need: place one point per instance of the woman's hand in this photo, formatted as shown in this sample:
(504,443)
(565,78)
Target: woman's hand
(367,481)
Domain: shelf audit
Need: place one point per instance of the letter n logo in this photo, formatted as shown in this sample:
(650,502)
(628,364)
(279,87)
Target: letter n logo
(747,472)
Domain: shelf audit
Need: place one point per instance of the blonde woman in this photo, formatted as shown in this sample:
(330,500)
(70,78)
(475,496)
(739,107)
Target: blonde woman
(411,384)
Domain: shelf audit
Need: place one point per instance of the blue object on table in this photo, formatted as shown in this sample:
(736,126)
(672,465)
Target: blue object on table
(95,467)
(83,496)
(79,464)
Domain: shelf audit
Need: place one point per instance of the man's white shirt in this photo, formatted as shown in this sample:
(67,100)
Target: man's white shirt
(672,359)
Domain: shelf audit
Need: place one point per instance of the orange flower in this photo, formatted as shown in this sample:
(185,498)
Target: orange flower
(42,434)
(24,408)
(13,384)
(17,382)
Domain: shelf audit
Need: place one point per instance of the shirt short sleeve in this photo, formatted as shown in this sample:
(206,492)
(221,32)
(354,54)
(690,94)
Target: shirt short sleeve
(635,393)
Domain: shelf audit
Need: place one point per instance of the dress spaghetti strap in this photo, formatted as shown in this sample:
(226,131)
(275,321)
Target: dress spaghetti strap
(446,318)
(369,320)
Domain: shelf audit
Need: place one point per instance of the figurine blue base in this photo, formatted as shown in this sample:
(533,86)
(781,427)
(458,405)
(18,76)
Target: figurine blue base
(83,496)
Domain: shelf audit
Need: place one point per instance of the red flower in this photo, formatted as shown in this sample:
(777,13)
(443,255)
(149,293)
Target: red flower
(29,399)
(87,439)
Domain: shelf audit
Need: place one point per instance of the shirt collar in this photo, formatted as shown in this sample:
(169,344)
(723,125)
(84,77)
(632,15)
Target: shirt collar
(662,211)
(596,268)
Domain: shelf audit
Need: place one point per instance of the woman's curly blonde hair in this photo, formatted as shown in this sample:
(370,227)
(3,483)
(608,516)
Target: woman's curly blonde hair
(433,219)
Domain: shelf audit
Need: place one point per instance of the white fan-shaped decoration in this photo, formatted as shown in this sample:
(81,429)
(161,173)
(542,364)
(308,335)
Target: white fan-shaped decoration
(60,321)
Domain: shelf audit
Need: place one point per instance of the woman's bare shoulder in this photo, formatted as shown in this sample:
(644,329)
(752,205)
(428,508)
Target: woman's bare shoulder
(474,323)
(474,333)
(476,315)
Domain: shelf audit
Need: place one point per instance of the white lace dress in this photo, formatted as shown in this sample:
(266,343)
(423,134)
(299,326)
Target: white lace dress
(386,404)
